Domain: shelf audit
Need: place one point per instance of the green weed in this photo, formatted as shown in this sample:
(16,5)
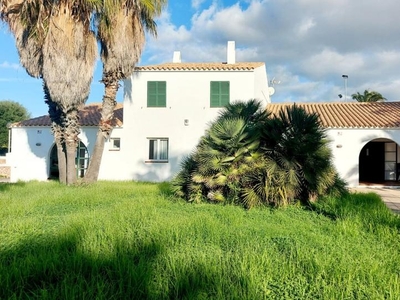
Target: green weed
(132,240)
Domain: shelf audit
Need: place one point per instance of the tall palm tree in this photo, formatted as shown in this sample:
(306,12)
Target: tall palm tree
(55,42)
(368,96)
(121,26)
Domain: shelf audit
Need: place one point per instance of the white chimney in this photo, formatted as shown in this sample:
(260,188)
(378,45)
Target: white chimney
(177,57)
(231,55)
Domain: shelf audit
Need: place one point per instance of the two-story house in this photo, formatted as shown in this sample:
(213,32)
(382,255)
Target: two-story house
(166,110)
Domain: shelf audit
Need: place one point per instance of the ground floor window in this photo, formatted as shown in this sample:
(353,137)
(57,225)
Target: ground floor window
(82,159)
(158,149)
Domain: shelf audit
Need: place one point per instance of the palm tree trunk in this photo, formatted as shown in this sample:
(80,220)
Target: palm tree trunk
(56,117)
(62,162)
(71,139)
(71,169)
(105,128)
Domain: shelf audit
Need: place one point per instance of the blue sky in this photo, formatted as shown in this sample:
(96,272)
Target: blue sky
(307,46)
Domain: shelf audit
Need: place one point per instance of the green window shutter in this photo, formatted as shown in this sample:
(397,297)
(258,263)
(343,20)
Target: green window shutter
(219,93)
(162,94)
(224,100)
(156,94)
(151,94)
(214,92)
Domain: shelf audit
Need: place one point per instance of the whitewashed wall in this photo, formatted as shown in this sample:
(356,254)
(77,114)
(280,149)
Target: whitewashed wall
(30,150)
(188,98)
(346,145)
(30,153)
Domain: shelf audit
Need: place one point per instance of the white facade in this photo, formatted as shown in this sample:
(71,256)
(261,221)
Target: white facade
(177,126)
(183,120)
(346,145)
(31,147)
(153,141)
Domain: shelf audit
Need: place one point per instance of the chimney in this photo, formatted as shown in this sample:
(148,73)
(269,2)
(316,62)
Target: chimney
(177,57)
(231,55)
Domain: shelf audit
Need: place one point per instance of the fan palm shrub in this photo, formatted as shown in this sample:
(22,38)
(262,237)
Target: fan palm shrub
(297,143)
(251,158)
(223,156)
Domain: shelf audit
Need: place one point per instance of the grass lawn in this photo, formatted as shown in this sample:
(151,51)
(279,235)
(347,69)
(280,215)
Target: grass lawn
(130,240)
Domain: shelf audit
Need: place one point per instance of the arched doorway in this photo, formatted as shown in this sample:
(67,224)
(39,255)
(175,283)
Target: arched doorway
(81,161)
(379,162)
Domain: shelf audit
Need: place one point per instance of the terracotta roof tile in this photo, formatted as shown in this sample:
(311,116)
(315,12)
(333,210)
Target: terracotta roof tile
(89,115)
(350,114)
(242,66)
(332,115)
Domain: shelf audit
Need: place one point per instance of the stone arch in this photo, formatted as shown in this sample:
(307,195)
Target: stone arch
(81,161)
(379,162)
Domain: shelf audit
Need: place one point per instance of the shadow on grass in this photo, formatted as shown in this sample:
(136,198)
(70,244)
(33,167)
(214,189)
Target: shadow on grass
(5,186)
(60,268)
(166,190)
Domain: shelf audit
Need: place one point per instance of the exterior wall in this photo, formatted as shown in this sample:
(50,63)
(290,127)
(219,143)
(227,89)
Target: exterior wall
(346,145)
(188,98)
(261,89)
(113,165)
(31,147)
(183,121)
(30,150)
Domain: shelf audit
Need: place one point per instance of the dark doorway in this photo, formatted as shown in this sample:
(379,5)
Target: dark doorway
(379,162)
(81,161)
(372,162)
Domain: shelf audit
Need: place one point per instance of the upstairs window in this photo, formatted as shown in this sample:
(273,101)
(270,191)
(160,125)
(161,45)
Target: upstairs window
(219,93)
(158,149)
(156,94)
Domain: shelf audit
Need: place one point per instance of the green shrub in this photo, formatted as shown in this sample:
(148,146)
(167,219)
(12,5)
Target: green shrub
(251,158)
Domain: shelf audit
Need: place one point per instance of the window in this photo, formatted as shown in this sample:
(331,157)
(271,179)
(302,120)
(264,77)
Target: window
(158,149)
(219,93)
(81,159)
(156,94)
(115,144)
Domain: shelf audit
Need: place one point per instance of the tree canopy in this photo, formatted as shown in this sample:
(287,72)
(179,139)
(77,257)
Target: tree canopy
(10,112)
(368,96)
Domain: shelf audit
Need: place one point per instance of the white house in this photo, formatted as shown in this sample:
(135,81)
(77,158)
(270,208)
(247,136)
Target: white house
(166,110)
(364,139)
(168,106)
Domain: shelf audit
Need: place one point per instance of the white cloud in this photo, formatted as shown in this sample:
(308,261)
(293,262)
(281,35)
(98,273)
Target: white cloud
(306,44)
(197,3)
(305,26)
(7,65)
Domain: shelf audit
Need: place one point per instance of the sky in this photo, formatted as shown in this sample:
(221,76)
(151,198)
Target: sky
(307,45)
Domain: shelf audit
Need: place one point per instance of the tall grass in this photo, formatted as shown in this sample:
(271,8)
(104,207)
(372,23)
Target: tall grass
(134,241)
